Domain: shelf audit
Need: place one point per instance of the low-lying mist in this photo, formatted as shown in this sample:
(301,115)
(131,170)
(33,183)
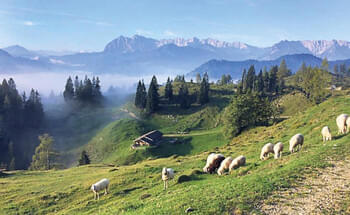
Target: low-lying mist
(48,82)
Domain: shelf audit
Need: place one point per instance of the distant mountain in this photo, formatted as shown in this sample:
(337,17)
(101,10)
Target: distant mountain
(139,55)
(217,68)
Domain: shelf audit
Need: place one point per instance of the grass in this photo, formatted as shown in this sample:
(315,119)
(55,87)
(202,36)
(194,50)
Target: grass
(138,189)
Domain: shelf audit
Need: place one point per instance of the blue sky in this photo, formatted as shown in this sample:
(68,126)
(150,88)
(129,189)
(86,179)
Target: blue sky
(90,25)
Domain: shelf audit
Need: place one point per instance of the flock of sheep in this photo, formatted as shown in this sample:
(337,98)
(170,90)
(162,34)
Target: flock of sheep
(220,164)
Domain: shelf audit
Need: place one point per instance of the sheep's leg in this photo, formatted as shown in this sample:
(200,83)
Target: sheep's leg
(94,195)
(98,196)
(164,185)
(106,190)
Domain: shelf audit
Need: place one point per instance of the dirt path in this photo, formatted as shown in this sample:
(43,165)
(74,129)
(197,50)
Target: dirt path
(130,113)
(323,193)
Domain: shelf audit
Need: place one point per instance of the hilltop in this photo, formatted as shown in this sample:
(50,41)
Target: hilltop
(137,188)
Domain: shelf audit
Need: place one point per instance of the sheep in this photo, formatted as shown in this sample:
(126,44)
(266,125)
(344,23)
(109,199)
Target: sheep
(268,148)
(101,185)
(209,161)
(237,162)
(167,174)
(342,120)
(225,164)
(296,140)
(213,162)
(326,133)
(277,149)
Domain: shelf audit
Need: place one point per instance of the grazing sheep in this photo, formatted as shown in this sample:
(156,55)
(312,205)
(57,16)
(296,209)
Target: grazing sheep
(167,174)
(277,149)
(225,164)
(209,161)
(326,133)
(266,150)
(213,163)
(341,120)
(101,185)
(296,140)
(237,162)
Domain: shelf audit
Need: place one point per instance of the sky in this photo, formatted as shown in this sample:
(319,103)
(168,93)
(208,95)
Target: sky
(88,25)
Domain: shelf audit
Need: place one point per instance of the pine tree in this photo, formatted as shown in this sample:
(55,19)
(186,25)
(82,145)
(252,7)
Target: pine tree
(183,96)
(168,94)
(84,158)
(138,99)
(143,98)
(203,96)
(68,93)
(260,82)
(244,81)
(152,96)
(273,84)
(283,71)
(250,78)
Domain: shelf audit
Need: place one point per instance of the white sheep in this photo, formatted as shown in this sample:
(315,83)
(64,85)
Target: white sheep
(225,165)
(237,162)
(296,140)
(341,120)
(101,185)
(167,174)
(326,133)
(266,150)
(277,149)
(213,162)
(209,161)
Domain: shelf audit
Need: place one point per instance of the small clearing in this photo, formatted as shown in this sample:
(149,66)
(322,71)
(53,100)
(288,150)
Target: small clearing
(322,193)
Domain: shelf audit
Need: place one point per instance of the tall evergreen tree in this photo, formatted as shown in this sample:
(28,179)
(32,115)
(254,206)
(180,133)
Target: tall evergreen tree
(168,94)
(273,84)
(152,96)
(244,81)
(203,96)
(68,93)
(138,102)
(250,79)
(143,100)
(283,70)
(183,97)
(84,158)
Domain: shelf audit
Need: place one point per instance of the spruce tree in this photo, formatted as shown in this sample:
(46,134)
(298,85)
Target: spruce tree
(283,71)
(244,81)
(183,97)
(203,96)
(273,84)
(250,79)
(168,94)
(68,93)
(152,96)
(84,158)
(138,95)
(143,98)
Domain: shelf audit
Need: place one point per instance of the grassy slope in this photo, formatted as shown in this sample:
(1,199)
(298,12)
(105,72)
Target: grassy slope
(66,191)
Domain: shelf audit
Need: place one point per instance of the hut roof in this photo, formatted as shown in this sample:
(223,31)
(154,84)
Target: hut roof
(150,137)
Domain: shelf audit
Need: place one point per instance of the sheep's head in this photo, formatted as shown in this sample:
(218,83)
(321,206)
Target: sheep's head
(93,187)
(164,171)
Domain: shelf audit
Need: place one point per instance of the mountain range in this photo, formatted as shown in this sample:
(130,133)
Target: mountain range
(138,55)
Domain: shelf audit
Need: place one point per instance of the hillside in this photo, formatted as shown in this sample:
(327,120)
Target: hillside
(216,68)
(138,189)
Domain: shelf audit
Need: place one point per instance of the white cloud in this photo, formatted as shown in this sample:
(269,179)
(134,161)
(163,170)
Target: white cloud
(144,32)
(29,23)
(169,33)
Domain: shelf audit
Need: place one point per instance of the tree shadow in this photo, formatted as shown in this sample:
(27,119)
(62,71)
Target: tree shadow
(338,137)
